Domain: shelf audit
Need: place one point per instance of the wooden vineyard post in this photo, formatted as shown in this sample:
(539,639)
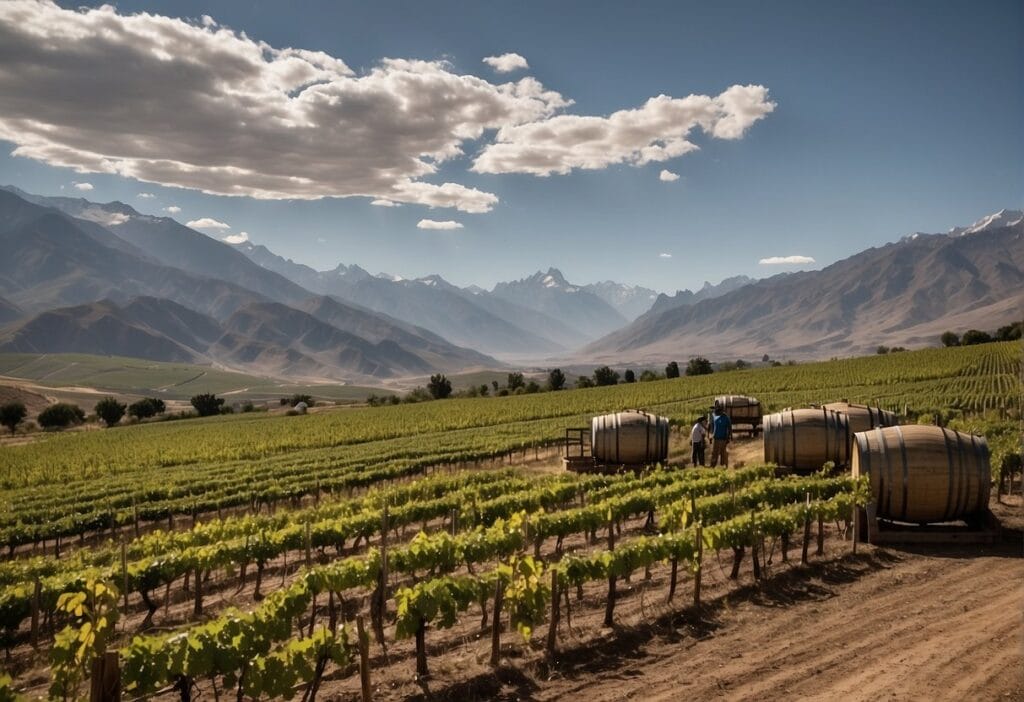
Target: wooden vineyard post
(755,559)
(499,598)
(105,682)
(198,608)
(807,532)
(380,597)
(699,566)
(552,647)
(610,607)
(366,691)
(821,536)
(309,547)
(36,593)
(124,576)
(135,517)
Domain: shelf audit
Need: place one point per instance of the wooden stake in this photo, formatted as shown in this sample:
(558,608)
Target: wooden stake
(364,660)
(105,683)
(821,536)
(124,576)
(499,598)
(36,592)
(700,566)
(610,606)
(552,648)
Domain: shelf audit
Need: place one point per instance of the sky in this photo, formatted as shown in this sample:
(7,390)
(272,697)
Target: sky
(653,143)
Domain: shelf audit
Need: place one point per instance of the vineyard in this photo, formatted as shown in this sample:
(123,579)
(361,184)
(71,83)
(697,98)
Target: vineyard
(262,557)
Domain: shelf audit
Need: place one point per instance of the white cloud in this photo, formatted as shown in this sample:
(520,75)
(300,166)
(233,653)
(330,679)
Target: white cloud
(321,240)
(664,255)
(239,238)
(84,187)
(381,202)
(101,216)
(785,260)
(667,176)
(173,209)
(250,119)
(657,131)
(434,224)
(207,223)
(506,63)
(145,196)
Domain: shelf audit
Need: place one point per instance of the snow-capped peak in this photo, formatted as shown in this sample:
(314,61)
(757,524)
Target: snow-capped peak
(1002,218)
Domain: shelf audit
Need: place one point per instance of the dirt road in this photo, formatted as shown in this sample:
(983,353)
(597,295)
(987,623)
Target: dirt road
(892,625)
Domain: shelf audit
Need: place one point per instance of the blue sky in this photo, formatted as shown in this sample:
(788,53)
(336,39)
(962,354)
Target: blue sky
(889,118)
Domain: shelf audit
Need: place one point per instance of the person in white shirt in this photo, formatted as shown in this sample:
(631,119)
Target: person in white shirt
(698,435)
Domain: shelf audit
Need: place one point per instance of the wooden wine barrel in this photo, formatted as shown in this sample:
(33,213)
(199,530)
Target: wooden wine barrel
(739,408)
(922,474)
(864,417)
(806,439)
(629,438)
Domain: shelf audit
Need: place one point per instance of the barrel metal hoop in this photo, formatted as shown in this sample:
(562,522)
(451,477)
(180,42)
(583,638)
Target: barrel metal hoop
(618,429)
(961,488)
(949,486)
(906,470)
(980,459)
(792,423)
(888,469)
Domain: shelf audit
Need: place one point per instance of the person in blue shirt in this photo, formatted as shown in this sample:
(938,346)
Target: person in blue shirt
(721,432)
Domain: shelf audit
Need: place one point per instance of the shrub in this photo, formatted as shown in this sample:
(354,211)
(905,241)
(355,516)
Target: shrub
(62,414)
(110,410)
(605,376)
(439,387)
(629,376)
(648,375)
(207,404)
(146,407)
(974,336)
(11,414)
(299,397)
(515,381)
(556,379)
(699,366)
(672,370)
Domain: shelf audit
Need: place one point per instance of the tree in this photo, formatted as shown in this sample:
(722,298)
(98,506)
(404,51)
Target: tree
(299,397)
(699,366)
(881,350)
(556,379)
(484,390)
(495,385)
(974,336)
(439,387)
(207,404)
(672,370)
(949,339)
(1011,332)
(110,410)
(605,376)
(765,358)
(629,376)
(146,407)
(11,414)
(584,381)
(61,414)
(515,381)
(648,375)
(532,387)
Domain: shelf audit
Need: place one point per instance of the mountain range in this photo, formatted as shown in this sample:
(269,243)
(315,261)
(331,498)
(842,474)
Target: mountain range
(80,276)
(904,293)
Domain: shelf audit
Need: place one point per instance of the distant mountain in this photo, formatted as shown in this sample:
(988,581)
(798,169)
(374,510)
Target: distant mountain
(52,260)
(630,300)
(9,312)
(85,290)
(97,328)
(263,337)
(904,293)
(490,325)
(707,292)
(170,243)
(571,305)
(1002,218)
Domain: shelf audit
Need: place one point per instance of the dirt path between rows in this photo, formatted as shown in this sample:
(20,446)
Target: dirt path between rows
(895,625)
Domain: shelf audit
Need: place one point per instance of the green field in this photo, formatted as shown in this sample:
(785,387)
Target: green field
(133,377)
(475,530)
(185,466)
